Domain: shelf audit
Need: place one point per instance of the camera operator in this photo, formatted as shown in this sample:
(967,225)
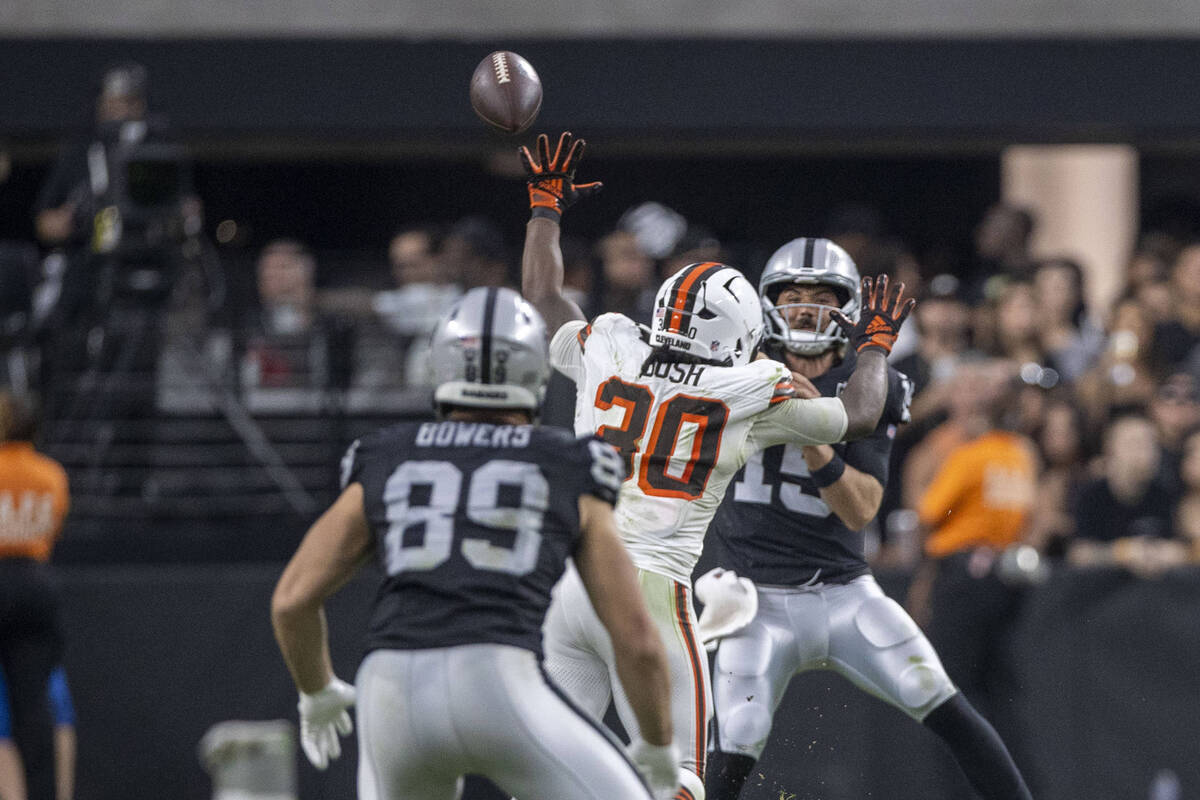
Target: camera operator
(119,209)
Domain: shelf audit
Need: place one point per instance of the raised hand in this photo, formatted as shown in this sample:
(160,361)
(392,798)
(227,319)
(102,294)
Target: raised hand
(879,323)
(551,178)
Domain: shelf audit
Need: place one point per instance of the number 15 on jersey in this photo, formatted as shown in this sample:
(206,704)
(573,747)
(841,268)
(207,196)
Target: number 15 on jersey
(758,485)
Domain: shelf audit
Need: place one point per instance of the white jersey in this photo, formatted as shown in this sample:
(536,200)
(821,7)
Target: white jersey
(683,430)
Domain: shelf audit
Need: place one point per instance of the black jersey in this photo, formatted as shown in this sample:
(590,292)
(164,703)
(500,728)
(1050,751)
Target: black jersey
(774,528)
(473,524)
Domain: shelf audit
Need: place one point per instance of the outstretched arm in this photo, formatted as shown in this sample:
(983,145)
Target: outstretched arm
(872,337)
(551,191)
(334,548)
(542,274)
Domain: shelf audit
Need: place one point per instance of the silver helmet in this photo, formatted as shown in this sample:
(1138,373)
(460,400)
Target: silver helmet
(809,262)
(489,351)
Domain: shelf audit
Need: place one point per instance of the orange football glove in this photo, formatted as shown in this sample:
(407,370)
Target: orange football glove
(551,179)
(881,317)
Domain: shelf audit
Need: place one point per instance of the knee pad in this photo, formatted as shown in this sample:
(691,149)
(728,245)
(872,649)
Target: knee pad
(920,681)
(745,730)
(692,788)
(920,685)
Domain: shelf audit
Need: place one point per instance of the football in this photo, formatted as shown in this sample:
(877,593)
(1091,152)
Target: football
(506,92)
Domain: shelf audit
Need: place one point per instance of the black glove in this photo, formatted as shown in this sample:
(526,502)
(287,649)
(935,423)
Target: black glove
(551,186)
(881,317)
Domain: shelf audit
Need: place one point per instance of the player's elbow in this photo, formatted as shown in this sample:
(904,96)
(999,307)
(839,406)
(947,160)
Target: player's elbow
(866,504)
(857,520)
(287,603)
(859,424)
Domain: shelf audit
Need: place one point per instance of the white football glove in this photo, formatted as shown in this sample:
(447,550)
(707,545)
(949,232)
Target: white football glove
(730,603)
(659,765)
(323,716)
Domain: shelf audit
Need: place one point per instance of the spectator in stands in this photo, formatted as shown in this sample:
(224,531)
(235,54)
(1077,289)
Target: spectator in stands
(288,344)
(1176,339)
(1002,241)
(1147,275)
(33,490)
(1175,410)
(1017,324)
(423,290)
(1156,299)
(856,228)
(474,254)
(977,506)
(627,280)
(966,391)
(1068,337)
(1061,444)
(1123,375)
(579,272)
(1187,512)
(943,328)
(1151,260)
(1124,516)
(12,774)
(696,245)
(392,354)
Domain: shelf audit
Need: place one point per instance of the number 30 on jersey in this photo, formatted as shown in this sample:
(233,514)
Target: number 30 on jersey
(704,415)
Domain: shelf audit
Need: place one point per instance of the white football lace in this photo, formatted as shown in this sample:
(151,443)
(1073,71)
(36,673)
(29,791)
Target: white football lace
(501,64)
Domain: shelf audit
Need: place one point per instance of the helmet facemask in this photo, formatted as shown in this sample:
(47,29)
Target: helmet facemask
(807,328)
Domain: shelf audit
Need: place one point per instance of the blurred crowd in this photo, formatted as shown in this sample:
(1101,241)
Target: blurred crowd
(1107,396)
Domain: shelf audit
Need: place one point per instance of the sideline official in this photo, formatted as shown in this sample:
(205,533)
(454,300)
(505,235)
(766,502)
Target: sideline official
(33,504)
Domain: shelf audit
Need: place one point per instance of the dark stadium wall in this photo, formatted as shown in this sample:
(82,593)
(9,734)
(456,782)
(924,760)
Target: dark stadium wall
(1107,667)
(837,92)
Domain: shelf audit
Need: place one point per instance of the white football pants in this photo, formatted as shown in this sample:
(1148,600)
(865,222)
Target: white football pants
(579,658)
(853,629)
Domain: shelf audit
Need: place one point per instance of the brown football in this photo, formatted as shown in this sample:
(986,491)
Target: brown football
(506,92)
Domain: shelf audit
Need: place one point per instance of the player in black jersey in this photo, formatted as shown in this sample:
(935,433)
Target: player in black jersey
(792,525)
(472,518)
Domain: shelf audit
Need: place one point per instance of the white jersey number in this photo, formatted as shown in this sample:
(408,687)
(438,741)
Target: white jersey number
(754,488)
(437,515)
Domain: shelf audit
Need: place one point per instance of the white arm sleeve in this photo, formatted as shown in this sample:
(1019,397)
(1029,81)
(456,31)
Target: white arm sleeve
(566,351)
(820,420)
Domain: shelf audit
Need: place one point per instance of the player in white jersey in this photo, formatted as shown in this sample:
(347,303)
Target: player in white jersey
(685,402)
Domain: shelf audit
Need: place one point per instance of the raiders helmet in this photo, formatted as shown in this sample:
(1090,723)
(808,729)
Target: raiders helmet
(817,262)
(489,351)
(710,311)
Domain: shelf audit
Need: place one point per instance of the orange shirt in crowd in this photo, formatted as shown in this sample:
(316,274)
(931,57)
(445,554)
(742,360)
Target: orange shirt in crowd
(33,502)
(981,496)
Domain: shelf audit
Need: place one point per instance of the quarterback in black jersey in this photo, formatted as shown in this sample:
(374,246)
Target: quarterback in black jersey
(793,526)
(472,518)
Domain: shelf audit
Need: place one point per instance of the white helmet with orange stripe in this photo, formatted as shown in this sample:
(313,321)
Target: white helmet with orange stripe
(709,311)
